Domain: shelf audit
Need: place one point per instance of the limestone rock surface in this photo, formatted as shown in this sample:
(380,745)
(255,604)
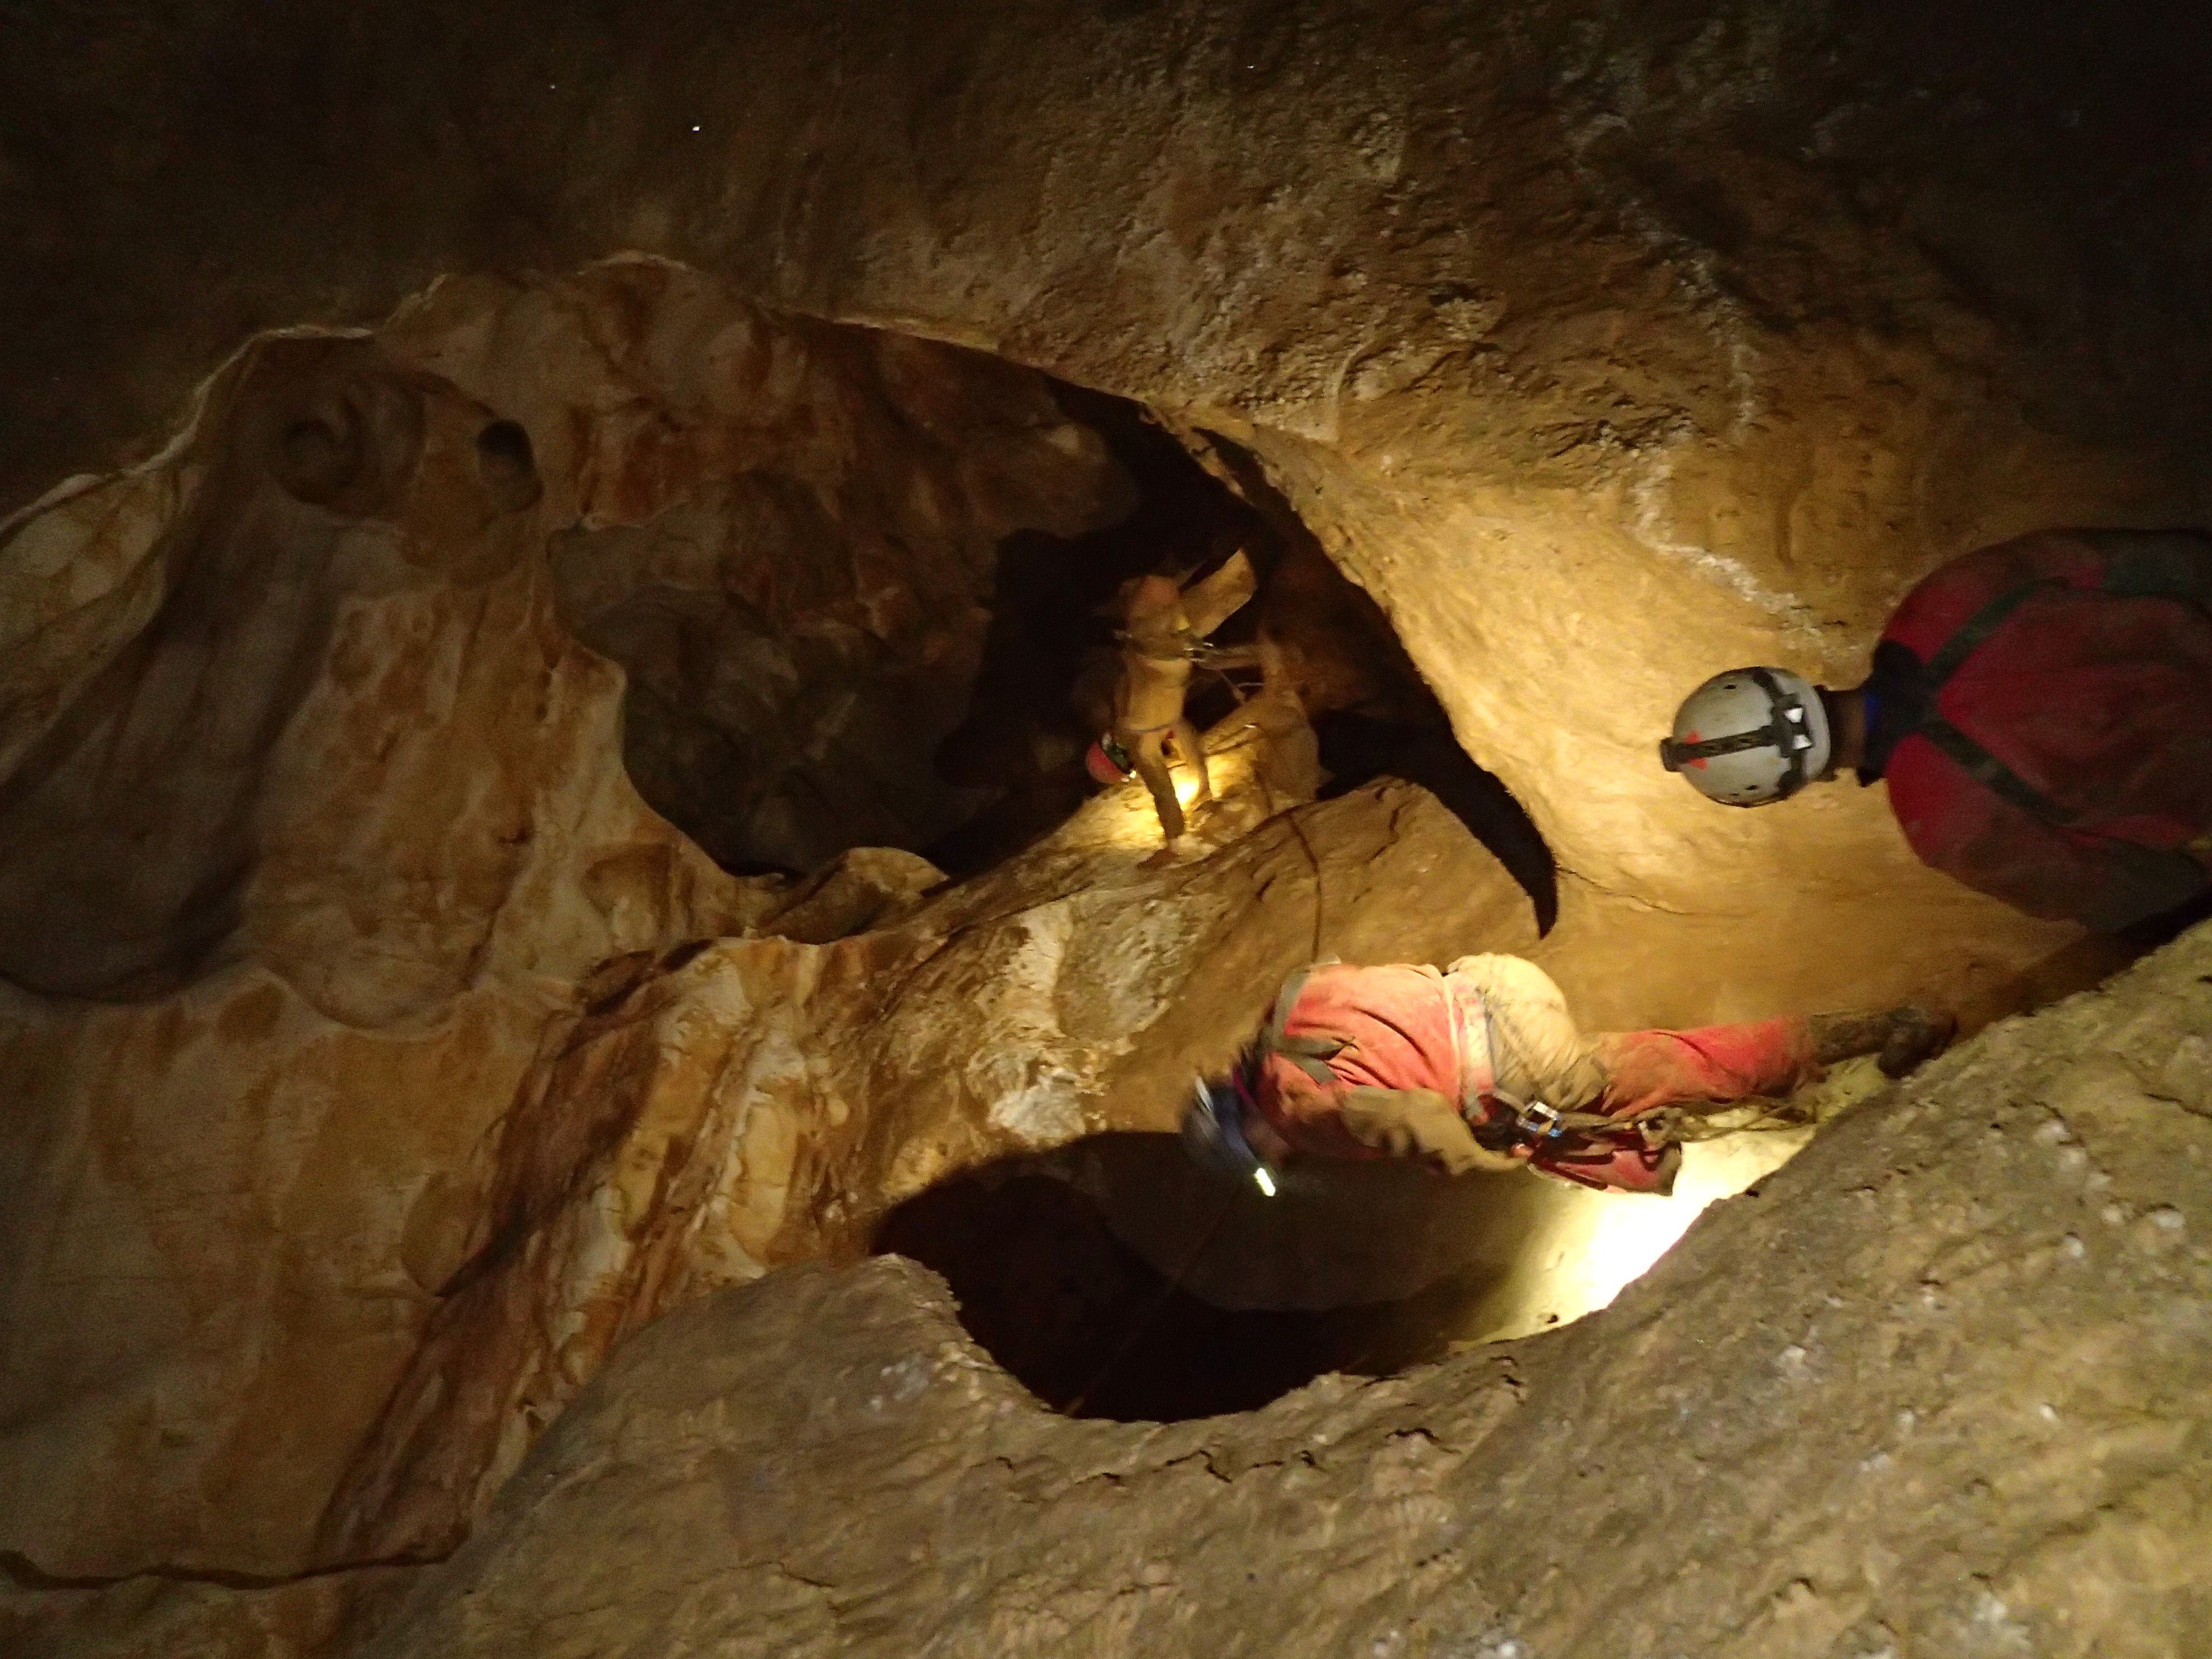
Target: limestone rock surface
(375,1055)
(316,830)
(153,1617)
(1935,1388)
(312,815)
(382,1059)
(1607,342)
(722,1116)
(786,532)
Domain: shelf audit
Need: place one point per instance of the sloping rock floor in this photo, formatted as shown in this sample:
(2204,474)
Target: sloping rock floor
(1936,1387)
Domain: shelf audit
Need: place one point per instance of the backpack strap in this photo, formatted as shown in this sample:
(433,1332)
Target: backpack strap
(1993,775)
(1951,656)
(1310,1054)
(1985,768)
(2171,878)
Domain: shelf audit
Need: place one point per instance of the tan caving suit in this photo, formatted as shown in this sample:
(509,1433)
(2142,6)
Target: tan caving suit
(1162,626)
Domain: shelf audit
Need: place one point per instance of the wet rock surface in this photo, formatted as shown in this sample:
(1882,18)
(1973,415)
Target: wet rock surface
(1933,1387)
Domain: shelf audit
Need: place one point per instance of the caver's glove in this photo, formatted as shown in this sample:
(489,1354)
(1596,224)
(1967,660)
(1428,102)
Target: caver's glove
(1902,1039)
(1422,1125)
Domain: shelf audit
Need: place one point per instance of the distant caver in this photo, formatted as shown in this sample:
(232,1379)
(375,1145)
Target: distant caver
(1163,628)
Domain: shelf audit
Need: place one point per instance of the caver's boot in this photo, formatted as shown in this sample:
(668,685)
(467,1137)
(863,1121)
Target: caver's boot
(1902,1038)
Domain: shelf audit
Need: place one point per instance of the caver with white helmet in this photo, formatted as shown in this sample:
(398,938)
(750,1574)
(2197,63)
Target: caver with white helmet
(1751,736)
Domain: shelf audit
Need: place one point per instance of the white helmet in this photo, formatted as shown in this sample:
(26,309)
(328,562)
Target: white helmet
(1750,736)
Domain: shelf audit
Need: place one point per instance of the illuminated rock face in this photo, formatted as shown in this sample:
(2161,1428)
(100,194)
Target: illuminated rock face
(380,1058)
(1938,1384)
(315,814)
(786,533)
(1607,345)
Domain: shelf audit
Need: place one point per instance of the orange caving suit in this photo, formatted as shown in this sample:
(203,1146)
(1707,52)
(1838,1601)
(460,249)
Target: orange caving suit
(1426,1054)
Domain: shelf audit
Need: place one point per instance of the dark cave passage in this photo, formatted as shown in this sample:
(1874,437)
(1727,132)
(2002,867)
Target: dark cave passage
(1374,714)
(879,609)
(1114,1280)
(1045,686)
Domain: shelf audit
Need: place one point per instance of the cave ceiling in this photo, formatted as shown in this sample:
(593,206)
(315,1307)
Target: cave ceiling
(509,517)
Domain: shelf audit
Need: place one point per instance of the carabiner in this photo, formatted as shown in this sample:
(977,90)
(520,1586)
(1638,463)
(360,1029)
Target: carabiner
(1537,1121)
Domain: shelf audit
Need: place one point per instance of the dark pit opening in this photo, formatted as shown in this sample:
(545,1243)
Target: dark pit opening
(507,465)
(1112,1279)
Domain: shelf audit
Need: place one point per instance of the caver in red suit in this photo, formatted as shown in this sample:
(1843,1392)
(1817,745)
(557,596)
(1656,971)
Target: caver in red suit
(2041,711)
(1481,1067)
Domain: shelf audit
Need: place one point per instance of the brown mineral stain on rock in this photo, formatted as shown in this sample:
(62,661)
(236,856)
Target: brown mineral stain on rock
(251,1018)
(1975,1449)
(342,745)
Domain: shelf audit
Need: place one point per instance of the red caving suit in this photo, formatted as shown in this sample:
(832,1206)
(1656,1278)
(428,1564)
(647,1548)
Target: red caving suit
(2042,710)
(1412,1034)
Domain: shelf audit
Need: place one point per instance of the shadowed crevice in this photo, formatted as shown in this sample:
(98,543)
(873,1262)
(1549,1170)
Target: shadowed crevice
(1102,1277)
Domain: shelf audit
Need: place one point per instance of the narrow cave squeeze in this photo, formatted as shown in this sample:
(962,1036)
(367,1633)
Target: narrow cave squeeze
(848,830)
(778,742)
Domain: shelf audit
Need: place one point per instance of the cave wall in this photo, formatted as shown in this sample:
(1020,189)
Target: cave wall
(1604,343)
(1732,321)
(763,1103)
(315,828)
(376,1058)
(314,814)
(1935,1389)
(786,533)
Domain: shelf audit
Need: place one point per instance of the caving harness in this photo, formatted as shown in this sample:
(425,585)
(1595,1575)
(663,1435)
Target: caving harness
(1187,647)
(1107,760)
(1213,1133)
(1180,645)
